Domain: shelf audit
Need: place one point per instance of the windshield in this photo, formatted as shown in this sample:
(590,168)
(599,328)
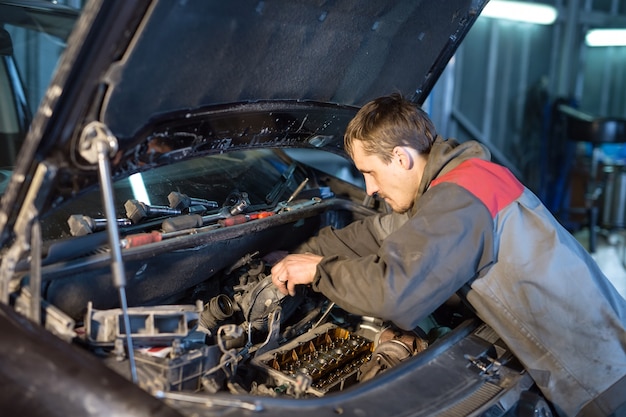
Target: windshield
(261,176)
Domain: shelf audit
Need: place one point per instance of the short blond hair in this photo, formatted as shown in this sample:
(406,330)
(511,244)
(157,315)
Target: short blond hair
(387,122)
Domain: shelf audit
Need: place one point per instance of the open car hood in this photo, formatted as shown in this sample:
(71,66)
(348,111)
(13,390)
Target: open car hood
(193,54)
(217,75)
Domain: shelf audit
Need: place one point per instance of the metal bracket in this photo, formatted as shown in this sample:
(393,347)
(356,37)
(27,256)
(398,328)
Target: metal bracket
(96,139)
(23,230)
(487,366)
(273,335)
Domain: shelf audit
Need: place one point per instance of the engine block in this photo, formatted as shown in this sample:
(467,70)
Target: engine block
(323,360)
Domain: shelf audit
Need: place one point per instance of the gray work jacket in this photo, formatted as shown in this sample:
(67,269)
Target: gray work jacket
(531,280)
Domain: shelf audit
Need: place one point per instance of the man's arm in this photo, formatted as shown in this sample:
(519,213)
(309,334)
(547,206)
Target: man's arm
(360,238)
(419,266)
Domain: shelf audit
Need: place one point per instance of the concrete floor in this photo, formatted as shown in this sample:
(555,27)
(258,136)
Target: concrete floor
(610,255)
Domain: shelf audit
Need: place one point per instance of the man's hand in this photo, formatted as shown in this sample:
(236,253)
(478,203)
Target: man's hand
(293,270)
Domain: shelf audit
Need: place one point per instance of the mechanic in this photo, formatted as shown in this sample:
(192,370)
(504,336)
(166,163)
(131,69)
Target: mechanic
(461,223)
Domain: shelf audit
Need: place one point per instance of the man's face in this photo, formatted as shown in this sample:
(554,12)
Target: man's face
(397,182)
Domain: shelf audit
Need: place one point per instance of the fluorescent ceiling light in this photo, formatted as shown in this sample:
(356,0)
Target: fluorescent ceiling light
(606,37)
(520,11)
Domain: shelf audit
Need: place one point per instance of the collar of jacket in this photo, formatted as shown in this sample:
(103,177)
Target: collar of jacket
(445,155)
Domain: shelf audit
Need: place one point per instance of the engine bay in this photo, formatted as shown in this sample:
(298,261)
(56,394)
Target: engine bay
(251,339)
(205,325)
(203,315)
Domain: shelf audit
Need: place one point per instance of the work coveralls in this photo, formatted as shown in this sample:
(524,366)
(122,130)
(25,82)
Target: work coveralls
(474,223)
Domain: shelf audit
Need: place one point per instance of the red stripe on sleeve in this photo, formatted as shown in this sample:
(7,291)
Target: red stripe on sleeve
(492,184)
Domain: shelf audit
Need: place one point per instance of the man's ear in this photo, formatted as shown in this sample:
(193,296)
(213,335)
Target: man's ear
(404,157)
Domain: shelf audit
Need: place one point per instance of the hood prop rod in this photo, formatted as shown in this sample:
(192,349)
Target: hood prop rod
(98,145)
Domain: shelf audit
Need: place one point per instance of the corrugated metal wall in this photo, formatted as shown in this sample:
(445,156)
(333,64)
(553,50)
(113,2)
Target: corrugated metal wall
(506,76)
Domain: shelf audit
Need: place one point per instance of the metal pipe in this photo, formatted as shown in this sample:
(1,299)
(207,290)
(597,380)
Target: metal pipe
(35,272)
(103,147)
